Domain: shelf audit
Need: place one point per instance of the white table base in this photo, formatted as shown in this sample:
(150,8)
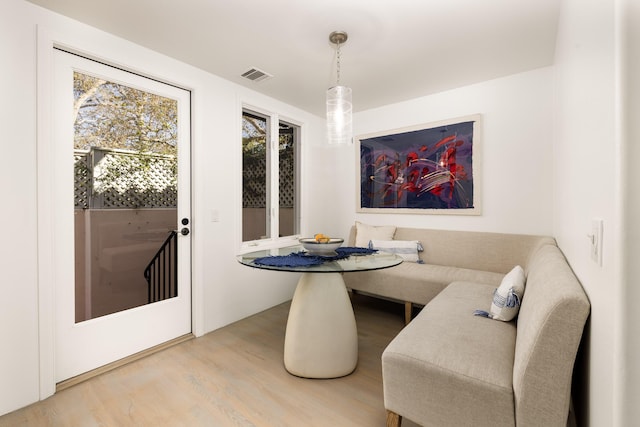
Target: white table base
(321,339)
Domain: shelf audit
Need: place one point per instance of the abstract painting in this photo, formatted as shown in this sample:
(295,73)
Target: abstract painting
(432,168)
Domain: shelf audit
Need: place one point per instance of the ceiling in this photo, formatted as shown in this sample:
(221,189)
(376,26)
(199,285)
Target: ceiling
(397,50)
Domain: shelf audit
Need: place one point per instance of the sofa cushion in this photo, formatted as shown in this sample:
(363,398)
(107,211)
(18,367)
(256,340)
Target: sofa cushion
(407,249)
(447,359)
(414,282)
(366,233)
(552,316)
(496,252)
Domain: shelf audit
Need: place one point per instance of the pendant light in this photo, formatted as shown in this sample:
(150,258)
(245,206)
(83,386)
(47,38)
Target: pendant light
(339,106)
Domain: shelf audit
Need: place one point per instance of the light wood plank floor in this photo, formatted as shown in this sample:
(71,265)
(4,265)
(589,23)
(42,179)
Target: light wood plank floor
(231,377)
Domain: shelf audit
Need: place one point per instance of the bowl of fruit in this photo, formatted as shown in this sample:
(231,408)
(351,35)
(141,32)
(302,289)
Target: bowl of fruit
(321,244)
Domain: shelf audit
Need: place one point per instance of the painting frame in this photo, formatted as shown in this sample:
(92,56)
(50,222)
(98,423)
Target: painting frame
(432,168)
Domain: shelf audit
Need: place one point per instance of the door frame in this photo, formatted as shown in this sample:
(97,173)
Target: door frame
(110,51)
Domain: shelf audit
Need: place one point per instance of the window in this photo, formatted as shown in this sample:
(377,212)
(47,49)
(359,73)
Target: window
(270,177)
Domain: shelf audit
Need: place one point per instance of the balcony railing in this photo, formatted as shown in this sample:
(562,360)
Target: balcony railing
(162,273)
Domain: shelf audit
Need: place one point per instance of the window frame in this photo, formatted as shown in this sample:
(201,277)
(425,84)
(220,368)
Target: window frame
(272,191)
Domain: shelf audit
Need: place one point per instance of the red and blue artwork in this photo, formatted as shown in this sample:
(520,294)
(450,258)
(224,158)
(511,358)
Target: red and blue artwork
(421,169)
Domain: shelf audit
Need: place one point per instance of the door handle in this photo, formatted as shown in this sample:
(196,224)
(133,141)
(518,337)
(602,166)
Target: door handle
(184,231)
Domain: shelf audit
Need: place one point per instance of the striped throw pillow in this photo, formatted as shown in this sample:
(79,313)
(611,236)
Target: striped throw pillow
(407,249)
(507,298)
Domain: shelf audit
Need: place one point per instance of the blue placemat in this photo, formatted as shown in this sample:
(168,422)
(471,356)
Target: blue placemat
(304,259)
(352,250)
(296,259)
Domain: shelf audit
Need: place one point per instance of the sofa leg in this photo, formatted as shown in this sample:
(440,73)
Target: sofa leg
(393,419)
(408,311)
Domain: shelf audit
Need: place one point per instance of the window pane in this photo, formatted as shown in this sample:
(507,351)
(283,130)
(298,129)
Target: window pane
(287,163)
(125,194)
(255,169)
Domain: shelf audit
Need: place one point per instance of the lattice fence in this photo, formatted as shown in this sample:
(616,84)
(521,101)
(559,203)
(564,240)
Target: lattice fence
(287,182)
(82,179)
(254,189)
(117,179)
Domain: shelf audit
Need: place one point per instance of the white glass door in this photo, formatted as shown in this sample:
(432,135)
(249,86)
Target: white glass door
(121,162)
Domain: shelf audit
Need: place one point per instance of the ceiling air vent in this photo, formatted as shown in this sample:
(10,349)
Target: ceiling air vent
(256,75)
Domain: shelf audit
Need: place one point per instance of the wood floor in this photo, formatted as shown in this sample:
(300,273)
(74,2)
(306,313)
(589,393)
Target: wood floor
(231,377)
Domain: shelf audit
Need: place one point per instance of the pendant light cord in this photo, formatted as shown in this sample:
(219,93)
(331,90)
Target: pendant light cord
(338,65)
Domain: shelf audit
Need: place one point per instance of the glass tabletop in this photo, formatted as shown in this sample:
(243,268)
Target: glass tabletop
(355,262)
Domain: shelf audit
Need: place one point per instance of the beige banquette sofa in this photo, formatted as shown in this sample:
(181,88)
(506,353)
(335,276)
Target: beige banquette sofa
(448,367)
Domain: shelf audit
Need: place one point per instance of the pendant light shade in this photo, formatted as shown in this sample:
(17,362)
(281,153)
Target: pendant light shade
(339,105)
(339,113)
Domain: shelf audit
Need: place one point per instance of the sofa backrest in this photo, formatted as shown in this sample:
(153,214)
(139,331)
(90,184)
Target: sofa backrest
(550,324)
(476,250)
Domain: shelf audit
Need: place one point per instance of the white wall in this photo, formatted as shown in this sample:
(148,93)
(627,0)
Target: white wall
(224,291)
(588,176)
(18,255)
(516,153)
(630,394)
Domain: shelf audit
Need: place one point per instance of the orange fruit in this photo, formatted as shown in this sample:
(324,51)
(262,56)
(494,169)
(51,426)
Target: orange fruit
(321,238)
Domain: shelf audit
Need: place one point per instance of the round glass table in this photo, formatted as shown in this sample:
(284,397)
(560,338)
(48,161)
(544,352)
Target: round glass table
(321,339)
